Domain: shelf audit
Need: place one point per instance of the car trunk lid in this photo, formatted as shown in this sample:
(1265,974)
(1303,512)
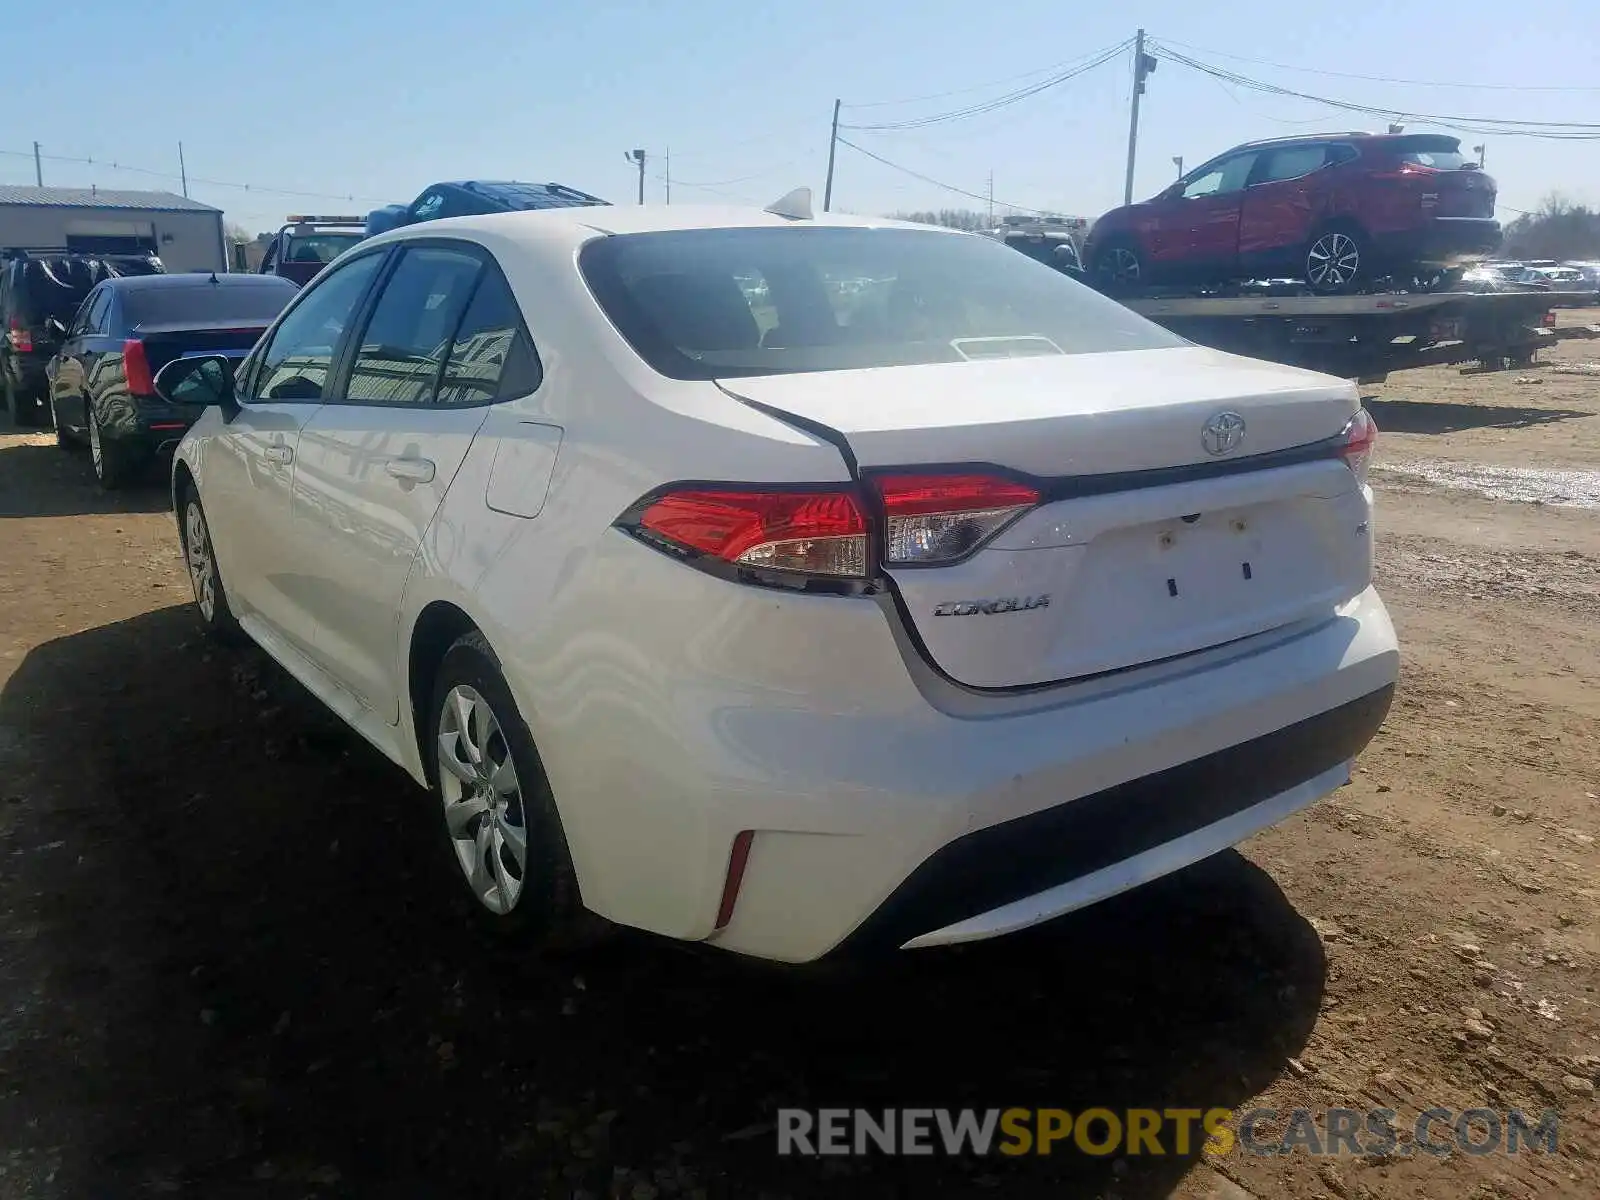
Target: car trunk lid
(169,340)
(1186,498)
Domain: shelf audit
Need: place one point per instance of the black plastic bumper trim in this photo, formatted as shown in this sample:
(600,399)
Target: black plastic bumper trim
(992,867)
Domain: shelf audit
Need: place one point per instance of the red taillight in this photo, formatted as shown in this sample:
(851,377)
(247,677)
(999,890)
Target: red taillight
(737,860)
(936,519)
(21,340)
(1359,440)
(136,369)
(811,531)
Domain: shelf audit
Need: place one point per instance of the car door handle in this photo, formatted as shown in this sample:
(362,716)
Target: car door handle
(279,454)
(410,470)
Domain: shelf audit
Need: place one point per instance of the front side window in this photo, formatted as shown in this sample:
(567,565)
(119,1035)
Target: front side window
(429,207)
(296,362)
(1224,176)
(713,303)
(404,345)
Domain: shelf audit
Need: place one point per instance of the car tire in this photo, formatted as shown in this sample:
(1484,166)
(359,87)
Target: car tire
(64,438)
(200,561)
(472,732)
(116,464)
(1337,261)
(1118,267)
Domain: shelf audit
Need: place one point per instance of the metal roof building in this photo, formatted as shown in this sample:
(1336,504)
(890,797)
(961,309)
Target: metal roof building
(186,234)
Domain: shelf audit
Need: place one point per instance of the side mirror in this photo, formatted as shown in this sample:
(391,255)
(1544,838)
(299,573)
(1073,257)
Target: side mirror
(55,327)
(198,382)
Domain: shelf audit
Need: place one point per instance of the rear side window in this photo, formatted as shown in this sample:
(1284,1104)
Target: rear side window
(404,346)
(493,358)
(718,303)
(256,301)
(1291,162)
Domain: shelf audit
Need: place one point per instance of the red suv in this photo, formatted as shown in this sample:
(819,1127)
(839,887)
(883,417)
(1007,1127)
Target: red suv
(1337,210)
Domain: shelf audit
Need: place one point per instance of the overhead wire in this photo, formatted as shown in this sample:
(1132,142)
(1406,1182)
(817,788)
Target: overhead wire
(1100,58)
(1504,127)
(175,177)
(949,187)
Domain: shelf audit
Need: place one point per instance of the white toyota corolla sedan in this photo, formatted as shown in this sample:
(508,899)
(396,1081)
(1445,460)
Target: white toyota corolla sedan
(795,585)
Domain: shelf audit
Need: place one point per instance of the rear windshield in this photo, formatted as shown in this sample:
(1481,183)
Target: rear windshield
(252,302)
(55,287)
(718,303)
(320,247)
(1440,153)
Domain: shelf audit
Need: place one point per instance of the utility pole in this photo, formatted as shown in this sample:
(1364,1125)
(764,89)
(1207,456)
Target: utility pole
(1481,152)
(183,172)
(833,145)
(1177,161)
(637,156)
(991,197)
(38,166)
(666,173)
(1143,65)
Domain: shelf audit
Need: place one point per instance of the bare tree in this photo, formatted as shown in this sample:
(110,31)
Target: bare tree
(235,233)
(1559,230)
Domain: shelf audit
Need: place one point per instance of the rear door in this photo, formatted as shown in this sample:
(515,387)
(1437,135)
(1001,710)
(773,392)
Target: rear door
(443,341)
(70,369)
(1198,233)
(1280,205)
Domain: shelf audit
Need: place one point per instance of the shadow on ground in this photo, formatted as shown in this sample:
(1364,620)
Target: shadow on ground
(235,973)
(1430,416)
(41,479)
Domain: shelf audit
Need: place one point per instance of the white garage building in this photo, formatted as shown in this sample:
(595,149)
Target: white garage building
(186,234)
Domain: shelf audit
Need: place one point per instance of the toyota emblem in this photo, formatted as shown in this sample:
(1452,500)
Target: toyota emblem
(1222,432)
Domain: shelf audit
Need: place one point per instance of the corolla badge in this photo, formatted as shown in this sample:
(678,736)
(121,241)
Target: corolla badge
(1002,604)
(1222,432)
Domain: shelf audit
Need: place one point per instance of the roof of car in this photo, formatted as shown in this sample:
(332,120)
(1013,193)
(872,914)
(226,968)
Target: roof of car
(141,283)
(581,223)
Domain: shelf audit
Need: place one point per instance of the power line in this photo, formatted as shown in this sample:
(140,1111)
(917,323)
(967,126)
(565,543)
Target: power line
(177,178)
(998,102)
(938,183)
(1503,127)
(1476,87)
(966,91)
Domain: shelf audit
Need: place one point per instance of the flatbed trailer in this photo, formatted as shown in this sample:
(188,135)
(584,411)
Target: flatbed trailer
(1368,337)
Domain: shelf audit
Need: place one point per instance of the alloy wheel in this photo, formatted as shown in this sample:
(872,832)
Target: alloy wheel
(202,567)
(483,807)
(1333,260)
(1120,265)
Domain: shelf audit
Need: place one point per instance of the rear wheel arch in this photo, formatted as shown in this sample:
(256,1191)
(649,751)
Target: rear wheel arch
(182,484)
(438,627)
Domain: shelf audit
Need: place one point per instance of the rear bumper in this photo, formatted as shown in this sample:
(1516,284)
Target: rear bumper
(890,806)
(1016,874)
(1445,241)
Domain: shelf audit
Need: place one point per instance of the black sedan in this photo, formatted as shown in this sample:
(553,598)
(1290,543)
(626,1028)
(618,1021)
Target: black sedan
(102,379)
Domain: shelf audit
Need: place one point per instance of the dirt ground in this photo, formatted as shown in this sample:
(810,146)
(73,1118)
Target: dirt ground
(225,969)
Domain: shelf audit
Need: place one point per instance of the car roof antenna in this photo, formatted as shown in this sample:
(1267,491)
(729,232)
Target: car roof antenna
(796,206)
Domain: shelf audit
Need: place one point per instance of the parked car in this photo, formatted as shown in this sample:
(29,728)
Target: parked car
(473,197)
(1047,242)
(1590,277)
(40,289)
(1339,211)
(102,387)
(306,244)
(739,620)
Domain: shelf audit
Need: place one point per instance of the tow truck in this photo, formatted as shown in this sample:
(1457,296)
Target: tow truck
(1363,337)
(305,244)
(1367,337)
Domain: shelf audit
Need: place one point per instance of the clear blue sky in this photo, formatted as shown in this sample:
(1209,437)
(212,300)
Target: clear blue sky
(376,100)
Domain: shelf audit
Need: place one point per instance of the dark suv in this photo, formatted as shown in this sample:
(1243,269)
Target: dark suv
(40,290)
(473,197)
(1339,211)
